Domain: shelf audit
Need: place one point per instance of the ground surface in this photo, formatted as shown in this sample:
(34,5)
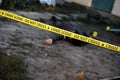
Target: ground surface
(60,61)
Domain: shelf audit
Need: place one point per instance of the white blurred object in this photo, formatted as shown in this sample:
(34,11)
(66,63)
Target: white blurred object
(48,2)
(0,2)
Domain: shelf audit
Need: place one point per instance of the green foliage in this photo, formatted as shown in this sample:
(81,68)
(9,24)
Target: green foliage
(31,5)
(20,4)
(8,4)
(27,5)
(12,68)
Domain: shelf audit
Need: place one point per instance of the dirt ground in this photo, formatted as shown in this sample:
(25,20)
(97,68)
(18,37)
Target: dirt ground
(60,61)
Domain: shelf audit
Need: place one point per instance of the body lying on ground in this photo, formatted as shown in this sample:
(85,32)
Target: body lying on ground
(66,26)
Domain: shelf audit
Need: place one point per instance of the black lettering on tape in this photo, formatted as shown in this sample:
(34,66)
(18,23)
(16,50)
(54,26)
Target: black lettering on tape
(27,21)
(76,36)
(95,42)
(102,45)
(83,38)
(55,30)
(9,15)
(40,25)
(112,47)
(48,27)
(18,18)
(32,22)
(65,33)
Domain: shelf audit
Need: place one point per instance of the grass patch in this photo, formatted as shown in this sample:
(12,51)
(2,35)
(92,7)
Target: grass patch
(12,68)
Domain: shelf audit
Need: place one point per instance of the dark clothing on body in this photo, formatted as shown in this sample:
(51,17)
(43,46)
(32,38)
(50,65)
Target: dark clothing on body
(70,27)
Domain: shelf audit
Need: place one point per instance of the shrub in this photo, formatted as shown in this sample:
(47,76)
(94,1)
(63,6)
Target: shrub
(31,5)
(8,4)
(12,68)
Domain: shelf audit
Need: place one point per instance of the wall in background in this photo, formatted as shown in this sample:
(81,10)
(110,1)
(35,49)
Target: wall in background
(82,2)
(116,8)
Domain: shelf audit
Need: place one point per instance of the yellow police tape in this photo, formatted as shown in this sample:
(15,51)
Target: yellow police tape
(58,30)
